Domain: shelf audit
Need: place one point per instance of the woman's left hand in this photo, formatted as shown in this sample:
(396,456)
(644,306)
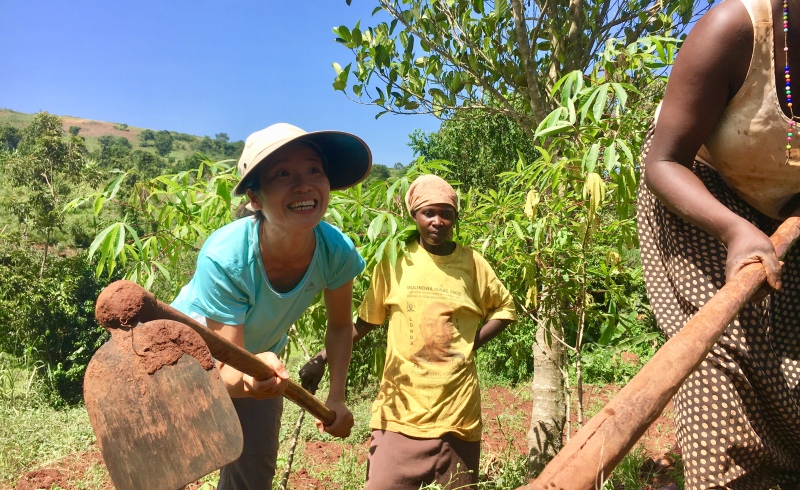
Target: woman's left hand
(343,423)
(267,388)
(749,245)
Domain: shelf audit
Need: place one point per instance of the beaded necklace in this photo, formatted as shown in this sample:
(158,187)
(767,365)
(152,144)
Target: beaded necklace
(788,78)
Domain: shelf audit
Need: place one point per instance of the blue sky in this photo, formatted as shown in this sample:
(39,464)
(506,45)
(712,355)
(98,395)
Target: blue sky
(199,67)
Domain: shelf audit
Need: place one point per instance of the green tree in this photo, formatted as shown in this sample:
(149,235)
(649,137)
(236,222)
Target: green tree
(163,142)
(378,172)
(9,137)
(147,137)
(46,165)
(50,318)
(551,68)
(147,165)
(482,144)
(114,152)
(220,140)
(206,145)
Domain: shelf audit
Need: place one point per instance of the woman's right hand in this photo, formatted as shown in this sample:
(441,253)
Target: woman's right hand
(267,388)
(749,245)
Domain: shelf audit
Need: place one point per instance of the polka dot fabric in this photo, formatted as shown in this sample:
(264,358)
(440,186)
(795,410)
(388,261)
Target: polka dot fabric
(737,416)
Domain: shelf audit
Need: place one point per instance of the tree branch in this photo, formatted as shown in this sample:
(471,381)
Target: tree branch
(534,95)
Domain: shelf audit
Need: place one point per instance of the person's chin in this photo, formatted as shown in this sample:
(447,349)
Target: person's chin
(435,241)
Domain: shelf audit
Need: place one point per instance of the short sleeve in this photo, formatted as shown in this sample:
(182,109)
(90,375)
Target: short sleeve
(347,267)
(373,306)
(497,301)
(218,294)
(342,260)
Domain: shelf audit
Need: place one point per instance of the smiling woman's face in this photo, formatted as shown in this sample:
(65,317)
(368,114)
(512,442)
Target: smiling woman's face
(293,189)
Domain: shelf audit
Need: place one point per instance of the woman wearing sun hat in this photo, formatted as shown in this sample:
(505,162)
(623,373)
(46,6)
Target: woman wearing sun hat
(257,275)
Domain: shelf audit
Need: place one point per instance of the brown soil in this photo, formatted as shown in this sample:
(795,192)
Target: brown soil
(90,128)
(506,416)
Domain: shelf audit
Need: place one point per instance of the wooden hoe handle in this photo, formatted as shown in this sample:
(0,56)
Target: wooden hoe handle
(123,304)
(590,456)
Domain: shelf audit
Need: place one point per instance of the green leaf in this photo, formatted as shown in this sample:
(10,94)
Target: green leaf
(343,32)
(555,128)
(600,103)
(590,158)
(375,227)
(98,205)
(108,232)
(340,83)
(621,93)
(610,157)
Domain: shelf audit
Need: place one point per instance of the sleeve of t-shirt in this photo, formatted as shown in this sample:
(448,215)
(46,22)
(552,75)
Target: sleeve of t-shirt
(373,305)
(497,301)
(345,262)
(219,295)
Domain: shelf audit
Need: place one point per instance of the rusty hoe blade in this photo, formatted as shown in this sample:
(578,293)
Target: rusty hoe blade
(125,303)
(161,413)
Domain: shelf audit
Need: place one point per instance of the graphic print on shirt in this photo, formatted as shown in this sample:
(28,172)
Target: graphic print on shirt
(438,334)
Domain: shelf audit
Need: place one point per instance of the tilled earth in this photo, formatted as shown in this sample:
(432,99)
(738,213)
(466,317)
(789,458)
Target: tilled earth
(504,435)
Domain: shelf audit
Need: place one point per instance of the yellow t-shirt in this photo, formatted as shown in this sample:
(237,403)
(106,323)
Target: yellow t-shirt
(435,305)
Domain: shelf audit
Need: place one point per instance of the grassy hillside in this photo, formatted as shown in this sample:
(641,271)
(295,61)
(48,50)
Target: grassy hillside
(183,146)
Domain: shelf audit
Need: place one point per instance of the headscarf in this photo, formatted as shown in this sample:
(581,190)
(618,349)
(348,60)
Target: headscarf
(430,189)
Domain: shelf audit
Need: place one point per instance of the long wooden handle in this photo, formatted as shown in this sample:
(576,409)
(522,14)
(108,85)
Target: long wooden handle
(590,456)
(123,304)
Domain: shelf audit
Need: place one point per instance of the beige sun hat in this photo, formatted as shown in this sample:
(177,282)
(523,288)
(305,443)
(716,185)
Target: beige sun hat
(347,158)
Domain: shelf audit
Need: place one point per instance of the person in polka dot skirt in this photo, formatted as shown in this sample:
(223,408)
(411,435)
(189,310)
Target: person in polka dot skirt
(720,172)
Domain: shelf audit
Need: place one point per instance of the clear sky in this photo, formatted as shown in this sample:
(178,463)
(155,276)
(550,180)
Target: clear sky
(200,67)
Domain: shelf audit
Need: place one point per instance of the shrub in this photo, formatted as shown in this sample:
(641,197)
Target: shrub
(50,319)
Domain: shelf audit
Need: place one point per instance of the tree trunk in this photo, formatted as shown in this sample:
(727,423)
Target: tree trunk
(46,246)
(545,435)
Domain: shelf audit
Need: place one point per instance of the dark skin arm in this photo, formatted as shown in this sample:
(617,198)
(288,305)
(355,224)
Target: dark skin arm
(709,70)
(313,370)
(311,373)
(488,331)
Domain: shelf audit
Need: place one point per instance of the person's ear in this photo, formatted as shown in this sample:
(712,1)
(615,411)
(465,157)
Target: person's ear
(255,204)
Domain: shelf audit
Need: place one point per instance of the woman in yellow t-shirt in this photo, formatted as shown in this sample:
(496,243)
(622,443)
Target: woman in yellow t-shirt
(443,301)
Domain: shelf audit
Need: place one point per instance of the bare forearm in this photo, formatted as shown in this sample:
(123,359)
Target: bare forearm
(360,329)
(685,195)
(338,349)
(233,380)
(490,330)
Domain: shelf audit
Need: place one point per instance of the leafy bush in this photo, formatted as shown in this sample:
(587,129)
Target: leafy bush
(50,319)
(507,359)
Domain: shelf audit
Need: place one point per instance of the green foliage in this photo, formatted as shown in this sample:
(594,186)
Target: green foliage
(50,319)
(9,137)
(32,431)
(163,142)
(46,166)
(379,172)
(442,57)
(179,211)
(507,359)
(481,143)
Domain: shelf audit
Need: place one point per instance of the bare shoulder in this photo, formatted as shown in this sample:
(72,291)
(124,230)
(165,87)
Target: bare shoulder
(722,41)
(709,70)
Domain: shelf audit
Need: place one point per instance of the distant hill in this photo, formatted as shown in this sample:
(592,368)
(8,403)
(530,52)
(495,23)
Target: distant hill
(184,144)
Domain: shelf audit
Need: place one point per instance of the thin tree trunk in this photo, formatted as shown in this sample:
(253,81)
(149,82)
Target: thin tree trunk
(46,246)
(545,435)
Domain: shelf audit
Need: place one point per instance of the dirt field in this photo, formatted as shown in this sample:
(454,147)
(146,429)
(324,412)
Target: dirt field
(658,444)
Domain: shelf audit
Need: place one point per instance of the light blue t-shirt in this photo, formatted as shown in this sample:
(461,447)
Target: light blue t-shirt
(231,287)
